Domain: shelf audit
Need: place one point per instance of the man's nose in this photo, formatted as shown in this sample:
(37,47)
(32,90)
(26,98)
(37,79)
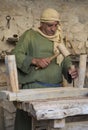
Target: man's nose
(53,28)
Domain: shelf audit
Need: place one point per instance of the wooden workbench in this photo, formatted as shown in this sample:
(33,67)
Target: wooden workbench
(50,104)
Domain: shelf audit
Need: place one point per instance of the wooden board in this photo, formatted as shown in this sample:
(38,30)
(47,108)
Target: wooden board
(51,103)
(56,109)
(45,93)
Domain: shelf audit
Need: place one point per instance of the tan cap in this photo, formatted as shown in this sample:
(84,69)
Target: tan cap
(49,15)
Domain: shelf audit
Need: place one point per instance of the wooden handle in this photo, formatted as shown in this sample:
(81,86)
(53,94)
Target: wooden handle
(72,68)
(63,50)
(53,57)
(50,58)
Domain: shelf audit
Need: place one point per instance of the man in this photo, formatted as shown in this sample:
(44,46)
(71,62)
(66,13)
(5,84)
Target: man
(33,52)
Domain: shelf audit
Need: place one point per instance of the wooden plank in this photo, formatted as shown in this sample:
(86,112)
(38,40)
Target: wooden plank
(12,77)
(58,109)
(45,93)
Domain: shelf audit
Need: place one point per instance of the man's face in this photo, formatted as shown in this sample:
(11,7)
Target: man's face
(49,28)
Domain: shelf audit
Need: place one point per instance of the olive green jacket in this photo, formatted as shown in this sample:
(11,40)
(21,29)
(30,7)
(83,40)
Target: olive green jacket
(33,45)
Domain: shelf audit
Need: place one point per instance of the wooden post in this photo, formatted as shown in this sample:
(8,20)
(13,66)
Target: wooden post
(82,70)
(56,124)
(11,71)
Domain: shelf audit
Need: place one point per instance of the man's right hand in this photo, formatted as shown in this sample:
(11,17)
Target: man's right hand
(41,62)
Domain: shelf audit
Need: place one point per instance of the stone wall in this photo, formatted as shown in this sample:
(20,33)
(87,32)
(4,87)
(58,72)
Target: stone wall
(25,13)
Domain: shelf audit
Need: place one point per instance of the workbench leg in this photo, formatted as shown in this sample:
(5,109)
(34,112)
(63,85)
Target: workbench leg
(39,125)
(56,124)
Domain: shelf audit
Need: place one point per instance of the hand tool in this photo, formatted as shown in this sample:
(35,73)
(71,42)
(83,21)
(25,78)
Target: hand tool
(8,18)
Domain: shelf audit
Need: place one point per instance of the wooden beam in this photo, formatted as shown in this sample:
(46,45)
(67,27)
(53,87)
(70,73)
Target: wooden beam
(82,70)
(58,109)
(11,71)
(45,93)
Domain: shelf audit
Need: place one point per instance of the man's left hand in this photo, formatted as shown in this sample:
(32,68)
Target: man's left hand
(73,72)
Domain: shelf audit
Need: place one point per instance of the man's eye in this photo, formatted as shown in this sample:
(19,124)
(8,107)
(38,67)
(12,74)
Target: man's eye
(49,25)
(56,25)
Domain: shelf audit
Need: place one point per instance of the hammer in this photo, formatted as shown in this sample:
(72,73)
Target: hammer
(50,58)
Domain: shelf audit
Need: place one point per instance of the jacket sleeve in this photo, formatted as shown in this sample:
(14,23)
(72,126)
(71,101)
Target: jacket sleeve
(23,60)
(65,66)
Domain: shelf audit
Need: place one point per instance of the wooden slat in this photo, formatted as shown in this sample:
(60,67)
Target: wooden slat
(45,93)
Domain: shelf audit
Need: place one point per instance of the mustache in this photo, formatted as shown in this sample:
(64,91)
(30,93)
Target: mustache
(53,32)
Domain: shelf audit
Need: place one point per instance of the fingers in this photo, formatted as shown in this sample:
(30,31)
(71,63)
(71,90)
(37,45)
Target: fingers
(41,63)
(73,72)
(44,62)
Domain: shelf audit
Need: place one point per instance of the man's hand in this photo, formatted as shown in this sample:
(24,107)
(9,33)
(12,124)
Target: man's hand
(73,72)
(41,62)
